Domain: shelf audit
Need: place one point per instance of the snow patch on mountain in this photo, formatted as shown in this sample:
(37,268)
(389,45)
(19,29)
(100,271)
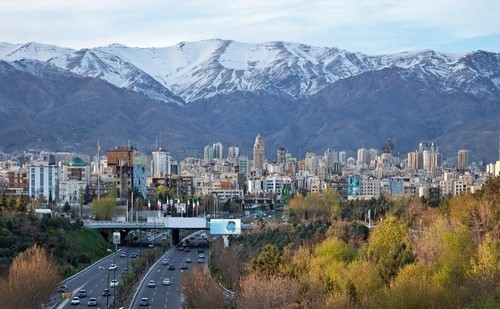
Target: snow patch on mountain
(190,71)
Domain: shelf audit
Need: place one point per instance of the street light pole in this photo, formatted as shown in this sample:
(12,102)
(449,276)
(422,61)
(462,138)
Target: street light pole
(107,296)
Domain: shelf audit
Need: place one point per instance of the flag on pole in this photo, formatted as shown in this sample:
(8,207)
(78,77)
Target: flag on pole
(149,204)
(159,204)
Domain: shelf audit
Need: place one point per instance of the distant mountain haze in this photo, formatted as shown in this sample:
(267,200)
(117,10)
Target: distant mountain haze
(299,97)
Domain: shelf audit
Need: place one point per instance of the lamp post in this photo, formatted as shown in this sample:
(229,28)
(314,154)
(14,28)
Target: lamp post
(107,296)
(114,289)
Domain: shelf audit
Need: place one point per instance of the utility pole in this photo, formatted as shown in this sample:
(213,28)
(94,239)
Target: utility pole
(132,205)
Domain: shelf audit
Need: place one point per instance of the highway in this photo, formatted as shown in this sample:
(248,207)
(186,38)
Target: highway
(169,296)
(96,278)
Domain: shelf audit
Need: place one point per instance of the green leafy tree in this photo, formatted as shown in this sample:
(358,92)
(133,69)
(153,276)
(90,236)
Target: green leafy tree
(3,201)
(80,201)
(389,248)
(105,208)
(67,208)
(268,262)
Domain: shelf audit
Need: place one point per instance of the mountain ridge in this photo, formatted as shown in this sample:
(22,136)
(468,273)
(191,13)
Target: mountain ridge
(237,90)
(198,70)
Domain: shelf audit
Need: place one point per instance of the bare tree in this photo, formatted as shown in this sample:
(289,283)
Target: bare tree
(229,263)
(256,292)
(201,290)
(31,279)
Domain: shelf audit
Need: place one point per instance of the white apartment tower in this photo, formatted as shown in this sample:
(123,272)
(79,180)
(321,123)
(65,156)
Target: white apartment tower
(43,177)
(208,152)
(233,152)
(363,156)
(74,178)
(161,163)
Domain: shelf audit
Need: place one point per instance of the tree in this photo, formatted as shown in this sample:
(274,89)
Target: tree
(201,290)
(80,202)
(389,248)
(228,262)
(67,208)
(31,279)
(105,207)
(274,292)
(268,262)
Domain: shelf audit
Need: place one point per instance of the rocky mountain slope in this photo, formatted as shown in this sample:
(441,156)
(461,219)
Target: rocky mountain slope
(296,96)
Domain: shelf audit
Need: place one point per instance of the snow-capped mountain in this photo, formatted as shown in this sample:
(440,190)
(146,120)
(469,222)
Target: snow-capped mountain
(204,69)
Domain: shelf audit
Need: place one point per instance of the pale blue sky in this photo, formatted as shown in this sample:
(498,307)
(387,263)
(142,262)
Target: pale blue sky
(367,26)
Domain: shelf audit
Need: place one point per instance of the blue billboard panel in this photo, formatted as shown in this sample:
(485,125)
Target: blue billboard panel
(225,226)
(352,185)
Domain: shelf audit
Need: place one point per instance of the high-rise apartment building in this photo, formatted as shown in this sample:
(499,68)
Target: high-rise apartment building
(217,150)
(281,155)
(208,152)
(121,161)
(243,165)
(233,152)
(311,162)
(463,159)
(161,163)
(74,178)
(258,153)
(43,177)
(363,156)
(342,157)
(427,157)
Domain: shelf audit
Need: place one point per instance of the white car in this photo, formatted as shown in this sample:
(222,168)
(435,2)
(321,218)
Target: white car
(112,267)
(113,282)
(164,261)
(75,300)
(166,281)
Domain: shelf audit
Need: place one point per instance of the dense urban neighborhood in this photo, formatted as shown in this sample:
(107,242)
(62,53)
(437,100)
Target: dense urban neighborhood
(57,180)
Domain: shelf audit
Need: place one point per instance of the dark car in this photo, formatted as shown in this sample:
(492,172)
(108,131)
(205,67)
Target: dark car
(144,302)
(106,292)
(184,266)
(62,289)
(171,267)
(82,293)
(92,302)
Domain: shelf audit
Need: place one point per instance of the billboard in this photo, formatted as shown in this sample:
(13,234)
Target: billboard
(352,185)
(116,238)
(225,226)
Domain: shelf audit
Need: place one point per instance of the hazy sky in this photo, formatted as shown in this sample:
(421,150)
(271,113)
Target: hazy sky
(367,26)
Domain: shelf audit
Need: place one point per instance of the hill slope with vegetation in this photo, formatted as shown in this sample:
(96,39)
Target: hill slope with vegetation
(419,255)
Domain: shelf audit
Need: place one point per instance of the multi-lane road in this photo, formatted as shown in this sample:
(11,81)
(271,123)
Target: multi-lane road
(170,296)
(97,277)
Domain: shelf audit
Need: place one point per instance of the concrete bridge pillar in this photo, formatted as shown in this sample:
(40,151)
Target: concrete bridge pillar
(175,236)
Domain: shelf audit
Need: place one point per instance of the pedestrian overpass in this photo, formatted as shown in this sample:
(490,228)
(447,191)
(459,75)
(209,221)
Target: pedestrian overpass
(173,223)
